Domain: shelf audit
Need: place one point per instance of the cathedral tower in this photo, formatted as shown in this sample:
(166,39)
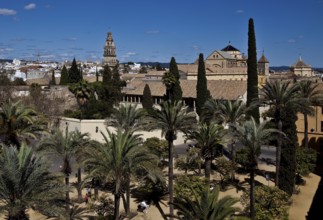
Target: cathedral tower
(263,65)
(109,54)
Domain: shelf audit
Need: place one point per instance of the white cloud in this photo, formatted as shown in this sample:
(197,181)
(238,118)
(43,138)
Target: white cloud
(291,41)
(48,56)
(196,48)
(240,11)
(129,54)
(65,54)
(70,39)
(6,49)
(5,11)
(30,6)
(300,37)
(153,32)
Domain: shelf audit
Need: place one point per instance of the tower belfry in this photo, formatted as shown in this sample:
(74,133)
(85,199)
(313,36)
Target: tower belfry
(109,54)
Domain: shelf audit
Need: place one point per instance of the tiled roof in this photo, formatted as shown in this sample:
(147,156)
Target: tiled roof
(219,89)
(223,54)
(129,77)
(187,68)
(192,68)
(263,59)
(45,80)
(230,48)
(300,63)
(156,73)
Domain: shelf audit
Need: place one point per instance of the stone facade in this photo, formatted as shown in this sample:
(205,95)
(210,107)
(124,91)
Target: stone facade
(302,69)
(226,64)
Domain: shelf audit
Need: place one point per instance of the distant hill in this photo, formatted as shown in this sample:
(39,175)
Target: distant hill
(286,68)
(5,60)
(163,65)
(319,69)
(279,68)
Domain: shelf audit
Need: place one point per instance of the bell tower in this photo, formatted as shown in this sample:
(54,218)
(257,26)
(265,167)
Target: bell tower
(109,53)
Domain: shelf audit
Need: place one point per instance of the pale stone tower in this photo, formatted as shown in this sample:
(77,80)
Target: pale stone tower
(263,70)
(109,54)
(263,65)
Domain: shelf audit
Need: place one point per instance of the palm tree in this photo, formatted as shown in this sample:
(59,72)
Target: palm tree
(65,147)
(252,136)
(126,117)
(82,93)
(206,206)
(19,123)
(210,111)
(154,191)
(76,212)
(170,119)
(280,95)
(310,95)
(232,113)
(26,183)
(209,139)
(115,161)
(169,80)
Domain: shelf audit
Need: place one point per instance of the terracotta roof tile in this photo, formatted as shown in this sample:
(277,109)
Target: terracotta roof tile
(263,59)
(219,89)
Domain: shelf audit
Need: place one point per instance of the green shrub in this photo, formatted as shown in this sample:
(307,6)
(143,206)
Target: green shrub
(305,160)
(270,202)
(184,186)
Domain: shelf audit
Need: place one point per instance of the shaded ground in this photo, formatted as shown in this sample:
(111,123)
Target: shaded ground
(316,211)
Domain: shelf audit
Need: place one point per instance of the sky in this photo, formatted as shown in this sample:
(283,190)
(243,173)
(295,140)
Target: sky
(156,30)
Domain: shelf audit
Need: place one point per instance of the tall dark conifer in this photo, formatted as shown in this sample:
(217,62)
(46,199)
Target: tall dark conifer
(177,90)
(74,75)
(53,81)
(287,168)
(64,76)
(252,83)
(116,76)
(201,86)
(147,99)
(96,75)
(106,75)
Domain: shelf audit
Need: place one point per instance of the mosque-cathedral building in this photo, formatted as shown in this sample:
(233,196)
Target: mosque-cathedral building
(226,73)
(226,64)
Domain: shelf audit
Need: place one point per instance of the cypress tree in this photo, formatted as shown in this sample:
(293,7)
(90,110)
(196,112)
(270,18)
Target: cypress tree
(169,81)
(74,75)
(202,92)
(116,76)
(107,75)
(81,74)
(286,180)
(177,90)
(64,76)
(147,99)
(252,83)
(97,75)
(52,81)
(158,67)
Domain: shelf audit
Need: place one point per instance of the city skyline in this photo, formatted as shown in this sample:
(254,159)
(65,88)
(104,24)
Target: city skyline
(154,31)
